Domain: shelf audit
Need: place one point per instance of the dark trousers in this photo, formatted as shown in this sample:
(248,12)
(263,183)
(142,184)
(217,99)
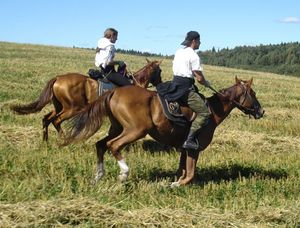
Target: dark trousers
(115,77)
(118,79)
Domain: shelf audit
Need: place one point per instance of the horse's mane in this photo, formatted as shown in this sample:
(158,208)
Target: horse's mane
(144,68)
(215,101)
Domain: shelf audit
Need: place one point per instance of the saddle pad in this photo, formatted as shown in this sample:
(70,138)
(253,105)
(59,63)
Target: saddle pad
(105,85)
(172,112)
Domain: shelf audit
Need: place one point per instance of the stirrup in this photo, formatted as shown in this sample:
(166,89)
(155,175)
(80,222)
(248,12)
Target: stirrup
(191,144)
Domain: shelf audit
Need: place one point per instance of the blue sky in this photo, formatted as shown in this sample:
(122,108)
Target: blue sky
(157,26)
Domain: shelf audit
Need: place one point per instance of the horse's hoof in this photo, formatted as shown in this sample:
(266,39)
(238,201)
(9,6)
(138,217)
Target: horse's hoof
(96,179)
(93,182)
(45,137)
(123,177)
(175,185)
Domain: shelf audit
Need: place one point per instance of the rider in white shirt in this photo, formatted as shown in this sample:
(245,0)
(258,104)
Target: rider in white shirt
(104,59)
(186,68)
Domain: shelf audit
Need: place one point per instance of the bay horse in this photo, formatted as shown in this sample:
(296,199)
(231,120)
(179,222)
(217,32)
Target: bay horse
(135,112)
(71,92)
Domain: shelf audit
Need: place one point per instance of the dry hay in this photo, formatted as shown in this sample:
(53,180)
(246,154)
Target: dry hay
(86,212)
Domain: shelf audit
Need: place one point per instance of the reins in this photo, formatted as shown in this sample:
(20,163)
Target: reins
(143,69)
(136,81)
(133,77)
(237,104)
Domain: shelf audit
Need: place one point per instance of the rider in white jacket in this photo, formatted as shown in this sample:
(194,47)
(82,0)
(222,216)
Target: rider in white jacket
(104,59)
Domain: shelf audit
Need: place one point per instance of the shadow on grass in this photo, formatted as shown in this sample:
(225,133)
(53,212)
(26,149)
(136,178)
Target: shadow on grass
(203,175)
(155,147)
(223,173)
(151,146)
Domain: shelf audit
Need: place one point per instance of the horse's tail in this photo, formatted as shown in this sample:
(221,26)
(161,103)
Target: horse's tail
(39,104)
(87,122)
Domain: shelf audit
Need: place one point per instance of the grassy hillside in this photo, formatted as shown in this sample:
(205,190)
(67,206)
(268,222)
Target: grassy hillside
(248,177)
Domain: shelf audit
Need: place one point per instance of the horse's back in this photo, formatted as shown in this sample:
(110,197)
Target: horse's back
(130,105)
(71,78)
(74,89)
(132,96)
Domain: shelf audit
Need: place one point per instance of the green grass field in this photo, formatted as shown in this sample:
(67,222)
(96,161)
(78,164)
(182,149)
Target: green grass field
(248,177)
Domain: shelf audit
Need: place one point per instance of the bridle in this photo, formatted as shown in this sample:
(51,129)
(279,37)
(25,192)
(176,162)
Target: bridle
(157,73)
(152,79)
(239,105)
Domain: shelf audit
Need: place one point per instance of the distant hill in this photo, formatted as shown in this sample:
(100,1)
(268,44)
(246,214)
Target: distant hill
(282,58)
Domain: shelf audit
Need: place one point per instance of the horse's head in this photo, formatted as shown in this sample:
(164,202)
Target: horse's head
(244,98)
(155,75)
(151,73)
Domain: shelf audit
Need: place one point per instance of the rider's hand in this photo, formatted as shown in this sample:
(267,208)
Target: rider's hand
(121,64)
(207,83)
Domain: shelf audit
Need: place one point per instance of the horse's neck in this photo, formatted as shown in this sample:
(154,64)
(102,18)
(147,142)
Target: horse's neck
(220,107)
(140,78)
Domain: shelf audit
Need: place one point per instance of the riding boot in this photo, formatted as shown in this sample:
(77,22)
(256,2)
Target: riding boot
(191,142)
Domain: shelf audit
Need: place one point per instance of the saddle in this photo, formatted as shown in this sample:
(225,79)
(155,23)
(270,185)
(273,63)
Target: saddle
(103,83)
(179,115)
(172,98)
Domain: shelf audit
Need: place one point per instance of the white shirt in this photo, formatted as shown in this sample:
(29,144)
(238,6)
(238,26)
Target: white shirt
(186,60)
(106,54)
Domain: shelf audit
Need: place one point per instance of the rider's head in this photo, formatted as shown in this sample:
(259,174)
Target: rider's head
(111,34)
(192,39)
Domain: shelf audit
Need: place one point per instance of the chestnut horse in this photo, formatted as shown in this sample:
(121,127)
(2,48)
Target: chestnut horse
(71,92)
(135,112)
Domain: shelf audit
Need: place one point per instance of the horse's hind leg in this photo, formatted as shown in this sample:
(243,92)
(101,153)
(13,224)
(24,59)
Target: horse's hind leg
(48,118)
(62,116)
(116,144)
(101,148)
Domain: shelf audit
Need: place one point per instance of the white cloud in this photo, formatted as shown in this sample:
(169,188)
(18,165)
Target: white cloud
(294,20)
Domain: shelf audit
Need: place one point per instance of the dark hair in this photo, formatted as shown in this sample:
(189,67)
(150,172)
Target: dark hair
(110,32)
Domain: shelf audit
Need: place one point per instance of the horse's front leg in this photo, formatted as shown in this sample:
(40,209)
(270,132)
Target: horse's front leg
(191,162)
(181,173)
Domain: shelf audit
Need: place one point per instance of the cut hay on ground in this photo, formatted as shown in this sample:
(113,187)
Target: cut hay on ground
(89,212)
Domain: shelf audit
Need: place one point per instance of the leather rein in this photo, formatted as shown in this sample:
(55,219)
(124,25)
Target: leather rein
(240,106)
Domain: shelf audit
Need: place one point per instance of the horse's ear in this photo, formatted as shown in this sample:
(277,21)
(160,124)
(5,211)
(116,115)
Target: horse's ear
(159,62)
(250,82)
(148,61)
(237,80)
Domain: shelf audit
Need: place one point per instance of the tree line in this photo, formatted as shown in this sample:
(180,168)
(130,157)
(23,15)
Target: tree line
(141,53)
(281,58)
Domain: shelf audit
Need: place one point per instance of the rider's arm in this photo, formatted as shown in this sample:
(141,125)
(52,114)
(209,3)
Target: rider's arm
(200,78)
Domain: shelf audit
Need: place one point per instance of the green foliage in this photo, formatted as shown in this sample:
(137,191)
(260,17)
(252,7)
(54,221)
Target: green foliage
(283,58)
(140,53)
(248,177)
